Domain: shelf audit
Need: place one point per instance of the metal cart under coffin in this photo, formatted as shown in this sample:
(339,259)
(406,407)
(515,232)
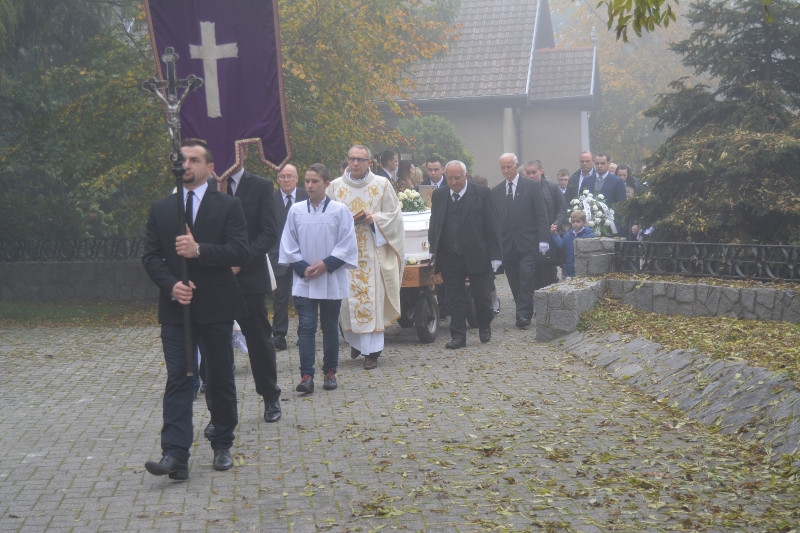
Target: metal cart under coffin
(418,305)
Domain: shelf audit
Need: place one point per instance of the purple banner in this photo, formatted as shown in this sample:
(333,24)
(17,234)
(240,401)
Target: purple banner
(235,48)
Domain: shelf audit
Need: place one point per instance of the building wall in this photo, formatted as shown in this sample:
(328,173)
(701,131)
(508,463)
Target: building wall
(553,136)
(550,134)
(482,133)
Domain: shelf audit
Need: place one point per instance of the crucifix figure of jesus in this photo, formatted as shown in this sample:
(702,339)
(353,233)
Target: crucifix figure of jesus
(171,100)
(210,52)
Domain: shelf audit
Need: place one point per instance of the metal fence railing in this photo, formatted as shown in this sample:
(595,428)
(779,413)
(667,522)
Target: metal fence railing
(117,249)
(730,261)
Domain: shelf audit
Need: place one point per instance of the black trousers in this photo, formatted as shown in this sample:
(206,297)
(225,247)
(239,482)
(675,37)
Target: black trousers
(544,275)
(257,332)
(454,276)
(519,268)
(177,432)
(280,303)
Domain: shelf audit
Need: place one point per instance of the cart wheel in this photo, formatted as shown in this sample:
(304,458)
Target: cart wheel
(408,300)
(426,316)
(472,319)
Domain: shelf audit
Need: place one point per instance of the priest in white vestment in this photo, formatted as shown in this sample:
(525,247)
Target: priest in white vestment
(374,301)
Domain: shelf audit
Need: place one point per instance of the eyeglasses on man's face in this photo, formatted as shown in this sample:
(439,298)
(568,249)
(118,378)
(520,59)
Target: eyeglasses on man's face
(356,159)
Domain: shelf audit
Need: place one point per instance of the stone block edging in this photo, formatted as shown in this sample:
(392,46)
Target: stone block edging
(753,403)
(559,307)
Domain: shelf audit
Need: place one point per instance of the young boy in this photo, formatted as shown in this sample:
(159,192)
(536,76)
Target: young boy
(567,242)
(563,180)
(319,243)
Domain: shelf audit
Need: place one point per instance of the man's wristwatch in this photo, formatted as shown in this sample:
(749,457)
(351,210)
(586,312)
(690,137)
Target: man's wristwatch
(197,252)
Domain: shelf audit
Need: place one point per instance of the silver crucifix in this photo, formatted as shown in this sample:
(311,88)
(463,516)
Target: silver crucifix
(171,100)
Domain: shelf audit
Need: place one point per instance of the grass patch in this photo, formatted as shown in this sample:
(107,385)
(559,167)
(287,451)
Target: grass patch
(20,314)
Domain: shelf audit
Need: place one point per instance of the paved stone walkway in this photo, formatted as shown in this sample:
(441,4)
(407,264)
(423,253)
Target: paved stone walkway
(510,436)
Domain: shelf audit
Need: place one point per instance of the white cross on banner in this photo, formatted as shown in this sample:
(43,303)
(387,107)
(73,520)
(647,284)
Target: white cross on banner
(210,53)
(235,48)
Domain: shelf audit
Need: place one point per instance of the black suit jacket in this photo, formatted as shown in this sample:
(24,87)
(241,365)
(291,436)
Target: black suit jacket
(280,216)
(255,194)
(479,235)
(427,181)
(220,230)
(613,189)
(572,185)
(380,171)
(554,201)
(526,224)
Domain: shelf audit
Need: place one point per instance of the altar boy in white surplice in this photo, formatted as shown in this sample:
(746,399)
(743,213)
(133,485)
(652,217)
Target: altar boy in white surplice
(374,301)
(319,244)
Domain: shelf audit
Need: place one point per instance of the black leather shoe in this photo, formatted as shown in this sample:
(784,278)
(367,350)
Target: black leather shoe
(272,411)
(210,432)
(485,335)
(168,465)
(223,459)
(330,382)
(456,344)
(280,342)
(306,385)
(522,323)
(354,354)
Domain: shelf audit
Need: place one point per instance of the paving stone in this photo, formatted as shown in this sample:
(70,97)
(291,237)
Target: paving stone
(513,435)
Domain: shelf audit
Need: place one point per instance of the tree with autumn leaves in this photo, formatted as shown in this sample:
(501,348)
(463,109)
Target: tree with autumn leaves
(82,151)
(343,57)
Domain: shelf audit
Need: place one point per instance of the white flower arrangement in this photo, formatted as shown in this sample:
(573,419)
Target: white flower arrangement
(411,201)
(599,216)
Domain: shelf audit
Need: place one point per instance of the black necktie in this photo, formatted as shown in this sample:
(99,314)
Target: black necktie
(190,209)
(510,195)
(230,186)
(288,202)
(455,197)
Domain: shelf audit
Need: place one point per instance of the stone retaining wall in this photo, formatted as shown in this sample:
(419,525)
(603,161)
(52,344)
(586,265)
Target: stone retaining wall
(697,299)
(594,257)
(559,307)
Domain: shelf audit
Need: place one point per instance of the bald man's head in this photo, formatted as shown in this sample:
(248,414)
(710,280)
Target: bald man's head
(287,178)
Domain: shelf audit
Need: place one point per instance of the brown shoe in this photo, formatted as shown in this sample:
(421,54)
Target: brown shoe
(370,362)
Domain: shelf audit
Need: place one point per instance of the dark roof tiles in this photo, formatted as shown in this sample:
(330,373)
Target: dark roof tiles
(492,56)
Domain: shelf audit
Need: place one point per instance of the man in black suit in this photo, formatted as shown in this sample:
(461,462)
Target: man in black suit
(287,194)
(582,179)
(465,242)
(388,169)
(524,230)
(216,240)
(545,272)
(258,205)
(434,172)
(434,175)
(609,185)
